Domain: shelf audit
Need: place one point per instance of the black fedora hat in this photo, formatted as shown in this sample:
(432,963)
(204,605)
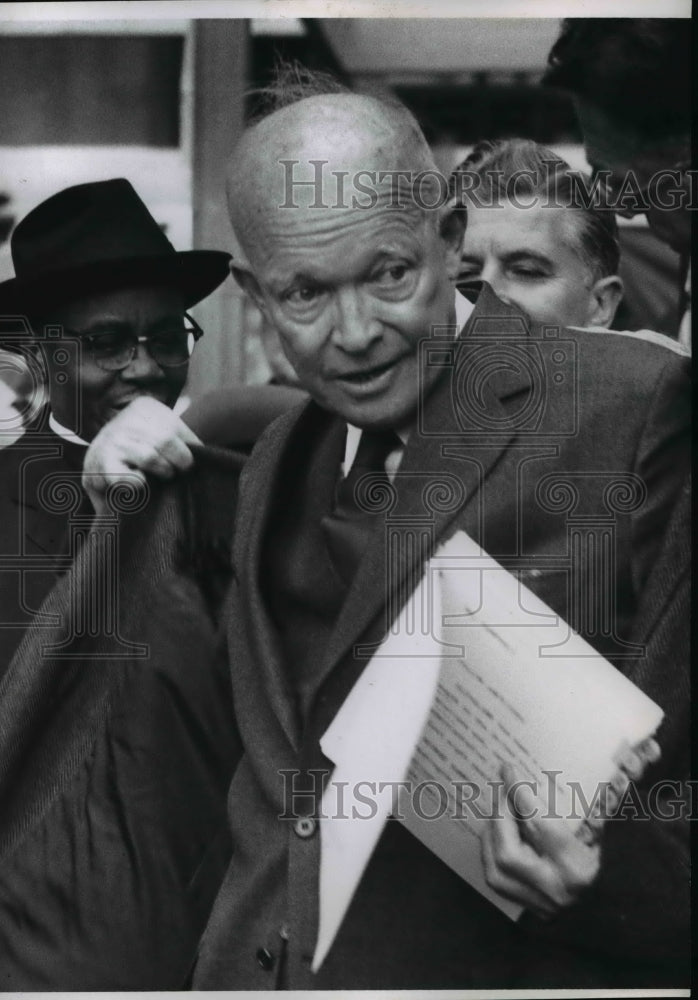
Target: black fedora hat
(97,237)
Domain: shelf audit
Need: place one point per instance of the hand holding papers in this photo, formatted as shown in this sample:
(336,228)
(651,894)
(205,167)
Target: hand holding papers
(477,683)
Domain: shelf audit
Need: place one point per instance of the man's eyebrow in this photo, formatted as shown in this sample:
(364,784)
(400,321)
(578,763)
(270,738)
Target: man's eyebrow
(291,280)
(515,256)
(295,279)
(387,252)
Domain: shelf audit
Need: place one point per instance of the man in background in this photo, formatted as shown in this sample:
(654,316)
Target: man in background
(631,82)
(530,236)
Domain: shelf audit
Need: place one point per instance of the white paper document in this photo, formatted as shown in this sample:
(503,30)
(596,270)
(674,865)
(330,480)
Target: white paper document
(476,671)
(371,741)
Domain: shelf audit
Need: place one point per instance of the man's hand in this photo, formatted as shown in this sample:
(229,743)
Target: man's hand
(545,863)
(146,437)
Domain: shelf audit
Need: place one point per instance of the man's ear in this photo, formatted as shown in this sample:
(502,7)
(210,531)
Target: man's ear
(247,281)
(604,299)
(452,230)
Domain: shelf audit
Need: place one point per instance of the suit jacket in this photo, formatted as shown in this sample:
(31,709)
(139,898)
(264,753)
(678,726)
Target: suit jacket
(116,744)
(538,445)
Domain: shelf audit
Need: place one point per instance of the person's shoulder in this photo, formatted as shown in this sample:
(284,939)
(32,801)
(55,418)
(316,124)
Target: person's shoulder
(237,417)
(638,360)
(296,426)
(638,344)
(272,442)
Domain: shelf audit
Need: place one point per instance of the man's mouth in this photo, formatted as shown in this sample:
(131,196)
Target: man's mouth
(366,378)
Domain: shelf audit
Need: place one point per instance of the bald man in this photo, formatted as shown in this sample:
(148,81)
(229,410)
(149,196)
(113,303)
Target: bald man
(329,198)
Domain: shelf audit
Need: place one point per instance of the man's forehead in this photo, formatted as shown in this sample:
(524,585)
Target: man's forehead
(322,152)
(288,239)
(314,204)
(541,228)
(362,184)
(349,135)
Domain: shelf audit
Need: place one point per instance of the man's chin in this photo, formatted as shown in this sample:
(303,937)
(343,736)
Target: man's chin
(379,415)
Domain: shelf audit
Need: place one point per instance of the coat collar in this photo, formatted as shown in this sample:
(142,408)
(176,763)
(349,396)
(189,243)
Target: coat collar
(323,434)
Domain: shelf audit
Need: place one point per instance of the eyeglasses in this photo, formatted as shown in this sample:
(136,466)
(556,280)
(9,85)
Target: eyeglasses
(114,350)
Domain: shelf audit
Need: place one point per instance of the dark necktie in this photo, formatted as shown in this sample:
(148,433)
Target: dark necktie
(346,528)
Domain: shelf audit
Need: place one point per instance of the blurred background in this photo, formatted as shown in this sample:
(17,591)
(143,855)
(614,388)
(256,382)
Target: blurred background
(162,102)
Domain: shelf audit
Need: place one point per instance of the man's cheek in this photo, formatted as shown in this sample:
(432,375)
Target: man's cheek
(301,348)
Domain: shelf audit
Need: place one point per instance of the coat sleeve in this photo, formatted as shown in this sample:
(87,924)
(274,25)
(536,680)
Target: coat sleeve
(237,418)
(637,912)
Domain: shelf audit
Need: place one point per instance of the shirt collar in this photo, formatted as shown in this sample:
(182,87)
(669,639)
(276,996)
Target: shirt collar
(352,446)
(463,311)
(65,432)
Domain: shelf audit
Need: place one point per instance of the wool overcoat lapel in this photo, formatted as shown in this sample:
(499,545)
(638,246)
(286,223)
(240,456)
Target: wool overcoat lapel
(311,430)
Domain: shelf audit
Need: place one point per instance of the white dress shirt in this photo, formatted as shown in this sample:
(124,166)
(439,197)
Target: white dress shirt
(65,432)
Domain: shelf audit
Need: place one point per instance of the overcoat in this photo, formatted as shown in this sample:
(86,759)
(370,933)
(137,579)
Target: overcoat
(117,743)
(564,453)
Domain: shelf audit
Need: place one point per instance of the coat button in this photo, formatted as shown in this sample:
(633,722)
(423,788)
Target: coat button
(265,959)
(304,827)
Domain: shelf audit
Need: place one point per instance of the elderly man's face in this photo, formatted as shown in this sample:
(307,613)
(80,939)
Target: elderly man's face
(352,292)
(530,258)
(83,396)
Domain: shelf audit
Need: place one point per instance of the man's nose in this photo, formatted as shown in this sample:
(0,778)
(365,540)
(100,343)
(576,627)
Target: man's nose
(355,326)
(142,365)
(492,274)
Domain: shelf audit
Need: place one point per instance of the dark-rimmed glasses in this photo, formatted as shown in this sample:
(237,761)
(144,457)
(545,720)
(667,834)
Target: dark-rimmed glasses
(114,350)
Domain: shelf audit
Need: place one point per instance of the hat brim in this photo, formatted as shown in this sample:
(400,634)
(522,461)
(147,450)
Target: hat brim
(195,273)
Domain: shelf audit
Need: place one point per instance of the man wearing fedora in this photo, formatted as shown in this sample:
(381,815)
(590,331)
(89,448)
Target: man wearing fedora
(105,295)
(116,748)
